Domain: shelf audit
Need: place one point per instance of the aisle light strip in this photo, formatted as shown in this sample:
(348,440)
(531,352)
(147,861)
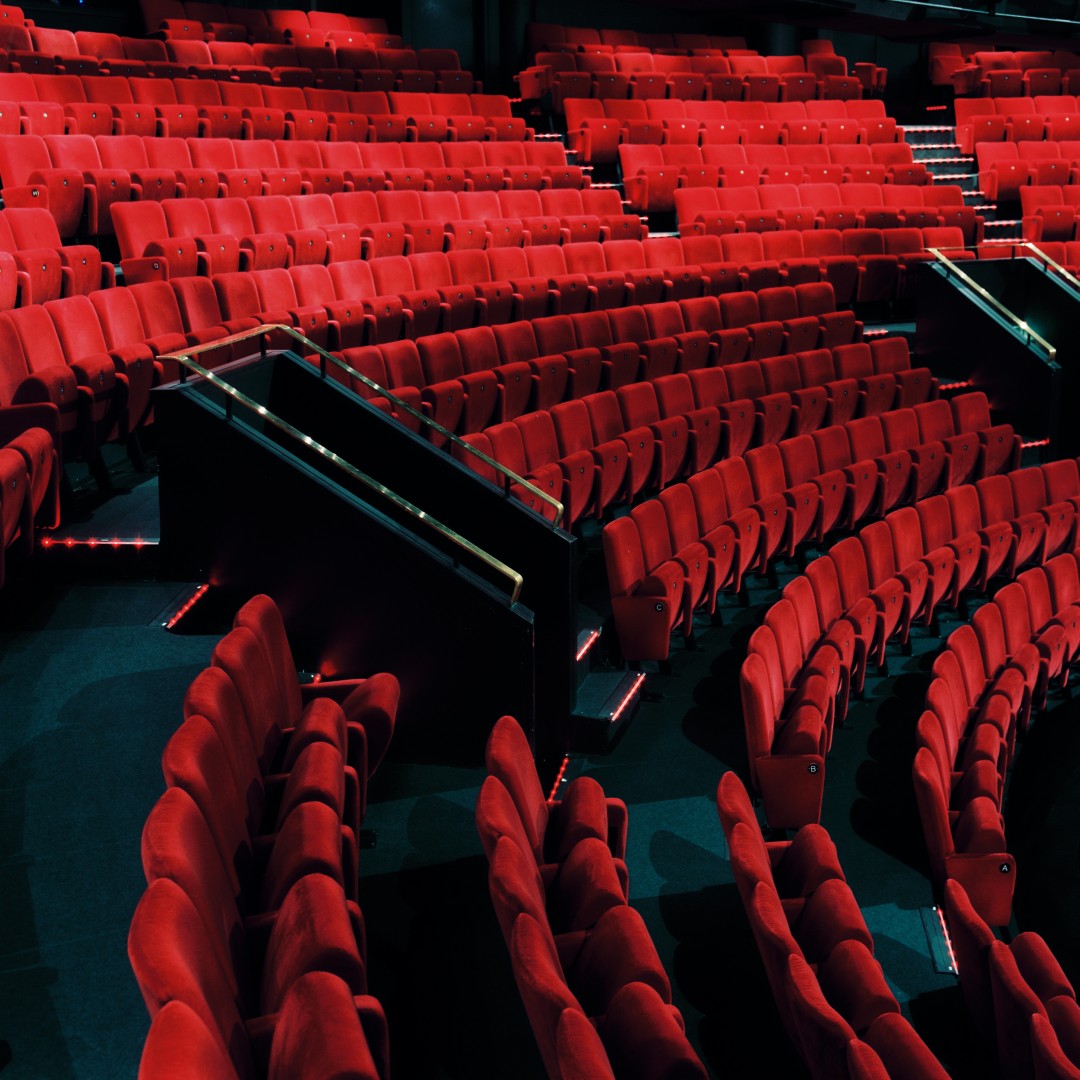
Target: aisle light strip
(199,593)
(70,542)
(558,778)
(629,697)
(948,940)
(590,641)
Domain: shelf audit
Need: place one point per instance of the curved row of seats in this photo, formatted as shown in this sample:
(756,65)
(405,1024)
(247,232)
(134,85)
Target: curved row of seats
(223,235)
(980,531)
(511,282)
(990,679)
(375,62)
(262,24)
(595,128)
(817,70)
(94,358)
(349,62)
(128,174)
(643,76)
(251,862)
(44,104)
(594,989)
(746,511)
(863,263)
(79,177)
(653,174)
(474,377)
(547,36)
(606,447)
(774,205)
(818,953)
(1017,995)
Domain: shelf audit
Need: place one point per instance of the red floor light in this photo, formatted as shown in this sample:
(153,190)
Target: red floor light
(630,695)
(199,593)
(558,778)
(71,542)
(948,940)
(588,643)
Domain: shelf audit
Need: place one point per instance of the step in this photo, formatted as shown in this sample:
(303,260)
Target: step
(926,134)
(955,163)
(932,151)
(1003,229)
(968,182)
(605,702)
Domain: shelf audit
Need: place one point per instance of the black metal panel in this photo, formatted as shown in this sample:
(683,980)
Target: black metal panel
(431,479)
(957,335)
(359,593)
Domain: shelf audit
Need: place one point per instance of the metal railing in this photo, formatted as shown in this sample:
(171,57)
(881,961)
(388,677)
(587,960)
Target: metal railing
(1014,320)
(328,358)
(234,396)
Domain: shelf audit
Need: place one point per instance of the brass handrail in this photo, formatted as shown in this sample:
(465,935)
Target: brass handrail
(1058,269)
(997,305)
(508,475)
(186,361)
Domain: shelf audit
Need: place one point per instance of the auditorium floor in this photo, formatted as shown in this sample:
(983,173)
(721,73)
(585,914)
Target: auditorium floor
(93,686)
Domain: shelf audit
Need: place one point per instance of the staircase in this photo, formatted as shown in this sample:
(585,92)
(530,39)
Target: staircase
(935,146)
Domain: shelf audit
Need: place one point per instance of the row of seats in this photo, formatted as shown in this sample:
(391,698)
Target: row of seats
(30,456)
(265,793)
(543,36)
(357,61)
(509,282)
(602,449)
(92,52)
(785,691)
(818,953)
(119,104)
(472,378)
(596,128)
(990,679)
(91,361)
(980,72)
(1049,211)
(261,167)
(1020,1000)
(705,210)
(36,266)
(1066,254)
(801,489)
(1005,168)
(1011,167)
(818,205)
(818,55)
(986,684)
(352,65)
(1020,119)
(594,989)
(863,264)
(652,174)
(643,76)
(80,179)
(262,24)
